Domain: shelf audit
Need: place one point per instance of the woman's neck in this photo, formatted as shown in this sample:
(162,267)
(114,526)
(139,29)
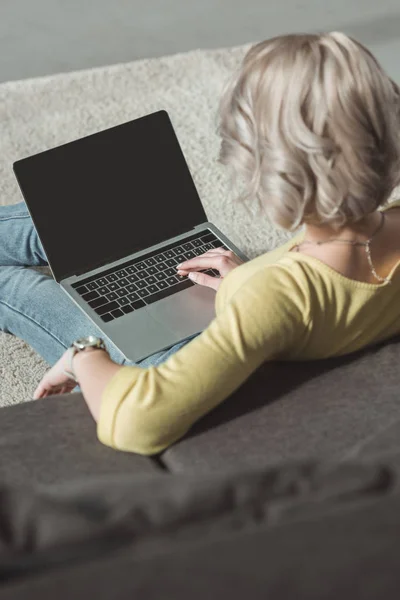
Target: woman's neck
(360,231)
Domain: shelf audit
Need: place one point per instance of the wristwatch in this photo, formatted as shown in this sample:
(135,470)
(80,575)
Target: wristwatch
(86,342)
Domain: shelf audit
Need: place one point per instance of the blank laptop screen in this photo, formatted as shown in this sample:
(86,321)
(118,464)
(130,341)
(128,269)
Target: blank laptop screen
(110,194)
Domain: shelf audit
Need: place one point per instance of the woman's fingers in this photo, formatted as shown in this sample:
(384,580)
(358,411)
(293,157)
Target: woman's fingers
(217,258)
(206,280)
(200,262)
(43,391)
(209,260)
(38,393)
(213,252)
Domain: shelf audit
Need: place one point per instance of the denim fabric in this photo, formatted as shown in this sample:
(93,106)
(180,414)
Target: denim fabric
(33,306)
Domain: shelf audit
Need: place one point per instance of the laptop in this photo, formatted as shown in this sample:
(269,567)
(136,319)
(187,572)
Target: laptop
(115,212)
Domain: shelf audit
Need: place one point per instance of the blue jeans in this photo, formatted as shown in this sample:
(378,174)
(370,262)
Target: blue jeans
(33,306)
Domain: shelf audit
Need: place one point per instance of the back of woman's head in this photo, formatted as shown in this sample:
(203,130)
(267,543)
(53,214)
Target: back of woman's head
(311,122)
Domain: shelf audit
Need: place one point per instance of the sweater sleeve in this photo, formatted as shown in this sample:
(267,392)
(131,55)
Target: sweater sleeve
(145,410)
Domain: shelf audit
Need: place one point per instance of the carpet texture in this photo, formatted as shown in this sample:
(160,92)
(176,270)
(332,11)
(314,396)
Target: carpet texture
(38,114)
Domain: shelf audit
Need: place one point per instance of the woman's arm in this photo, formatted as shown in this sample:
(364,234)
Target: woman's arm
(147,410)
(94,369)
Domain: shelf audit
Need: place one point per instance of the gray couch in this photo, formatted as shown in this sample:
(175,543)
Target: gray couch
(314,444)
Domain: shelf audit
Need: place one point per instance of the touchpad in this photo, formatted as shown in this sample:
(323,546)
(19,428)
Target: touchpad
(186,312)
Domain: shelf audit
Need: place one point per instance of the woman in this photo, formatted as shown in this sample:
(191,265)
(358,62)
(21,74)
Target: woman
(311,122)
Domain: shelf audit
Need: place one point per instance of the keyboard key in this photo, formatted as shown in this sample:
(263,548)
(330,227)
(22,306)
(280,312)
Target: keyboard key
(189,255)
(113,286)
(140,265)
(127,309)
(179,250)
(169,253)
(131,287)
(90,296)
(123,301)
(132,297)
(131,269)
(172,280)
(187,246)
(162,266)
(82,290)
(208,237)
(122,292)
(102,281)
(161,276)
(92,285)
(208,246)
(141,284)
(121,273)
(107,317)
(170,272)
(171,262)
(123,282)
(111,277)
(153,288)
(216,244)
(152,270)
(159,258)
(197,243)
(162,284)
(142,274)
(103,290)
(132,278)
(117,313)
(143,293)
(183,285)
(98,302)
(138,304)
(149,262)
(111,296)
(198,251)
(150,280)
(101,310)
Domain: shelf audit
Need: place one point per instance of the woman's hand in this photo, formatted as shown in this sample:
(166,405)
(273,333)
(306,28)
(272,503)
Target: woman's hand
(55,381)
(220,259)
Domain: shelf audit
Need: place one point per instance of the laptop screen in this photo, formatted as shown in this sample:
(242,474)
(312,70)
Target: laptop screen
(105,196)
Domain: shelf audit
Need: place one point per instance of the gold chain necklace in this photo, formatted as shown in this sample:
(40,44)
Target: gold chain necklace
(354,243)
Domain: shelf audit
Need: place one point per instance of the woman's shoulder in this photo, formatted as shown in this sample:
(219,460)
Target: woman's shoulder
(272,270)
(280,282)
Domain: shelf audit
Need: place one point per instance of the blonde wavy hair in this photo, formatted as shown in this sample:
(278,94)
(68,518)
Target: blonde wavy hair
(311,122)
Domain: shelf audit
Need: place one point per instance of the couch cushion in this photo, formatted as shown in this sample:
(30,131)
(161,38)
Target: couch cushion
(305,531)
(348,555)
(54,440)
(327,409)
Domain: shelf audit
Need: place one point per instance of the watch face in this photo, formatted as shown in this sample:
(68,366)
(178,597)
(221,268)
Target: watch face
(90,340)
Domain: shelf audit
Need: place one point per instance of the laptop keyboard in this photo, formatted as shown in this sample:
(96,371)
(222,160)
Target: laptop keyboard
(142,281)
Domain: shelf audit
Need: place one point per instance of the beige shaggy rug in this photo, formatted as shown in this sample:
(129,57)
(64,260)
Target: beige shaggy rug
(40,113)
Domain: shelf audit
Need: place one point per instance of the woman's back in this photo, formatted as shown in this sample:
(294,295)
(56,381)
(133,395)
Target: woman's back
(339,304)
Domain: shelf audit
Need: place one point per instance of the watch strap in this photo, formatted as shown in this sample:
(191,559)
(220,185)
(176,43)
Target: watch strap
(71,373)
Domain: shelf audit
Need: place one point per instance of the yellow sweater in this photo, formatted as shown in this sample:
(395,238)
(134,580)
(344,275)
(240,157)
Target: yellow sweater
(281,305)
